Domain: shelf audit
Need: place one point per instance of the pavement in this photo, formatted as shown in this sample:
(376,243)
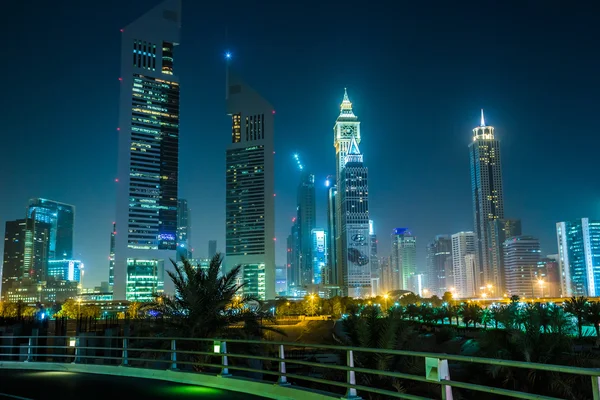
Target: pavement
(42,385)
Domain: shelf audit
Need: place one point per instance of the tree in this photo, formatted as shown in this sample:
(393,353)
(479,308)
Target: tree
(447,297)
(70,309)
(134,311)
(593,316)
(470,313)
(435,301)
(514,298)
(577,306)
(485,317)
(311,304)
(202,305)
(409,298)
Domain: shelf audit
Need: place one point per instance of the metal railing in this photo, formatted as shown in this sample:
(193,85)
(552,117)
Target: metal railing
(271,359)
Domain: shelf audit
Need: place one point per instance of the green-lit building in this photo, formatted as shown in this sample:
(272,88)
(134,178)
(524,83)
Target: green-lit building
(145,279)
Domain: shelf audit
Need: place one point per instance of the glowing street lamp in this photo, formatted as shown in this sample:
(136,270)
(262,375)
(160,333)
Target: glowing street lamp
(312,298)
(425,291)
(385,298)
(541,283)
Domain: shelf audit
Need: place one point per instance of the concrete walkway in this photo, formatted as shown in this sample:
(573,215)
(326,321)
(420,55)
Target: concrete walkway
(42,385)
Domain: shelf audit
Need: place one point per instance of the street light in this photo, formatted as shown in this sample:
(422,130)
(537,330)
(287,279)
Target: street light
(385,298)
(425,291)
(541,283)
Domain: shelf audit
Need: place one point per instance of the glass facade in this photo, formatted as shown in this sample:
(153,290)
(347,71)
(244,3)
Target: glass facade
(579,257)
(253,276)
(331,227)
(439,263)
(403,258)
(14,249)
(319,255)
(245,206)
(487,198)
(306,218)
(154,164)
(66,270)
(111,258)
(145,279)
(184,230)
(61,218)
(521,258)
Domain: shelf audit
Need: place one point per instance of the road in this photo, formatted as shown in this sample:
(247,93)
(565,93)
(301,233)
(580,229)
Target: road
(42,385)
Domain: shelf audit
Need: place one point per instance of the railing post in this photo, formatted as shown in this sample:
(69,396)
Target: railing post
(124,355)
(29,352)
(351,377)
(596,387)
(437,370)
(77,351)
(282,378)
(173,354)
(225,370)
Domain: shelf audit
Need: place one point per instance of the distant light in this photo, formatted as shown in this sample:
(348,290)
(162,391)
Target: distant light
(116,179)
(274,194)
(273,112)
(43,315)
(118,129)
(327,183)
(122,30)
(275,239)
(228,55)
(120,79)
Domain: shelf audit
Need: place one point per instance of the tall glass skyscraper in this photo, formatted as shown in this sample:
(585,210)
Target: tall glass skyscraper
(111,258)
(403,259)
(61,219)
(521,259)
(148,159)
(306,223)
(184,230)
(14,253)
(463,264)
(579,257)
(355,244)
(334,277)
(488,200)
(352,205)
(498,231)
(319,255)
(250,196)
(439,264)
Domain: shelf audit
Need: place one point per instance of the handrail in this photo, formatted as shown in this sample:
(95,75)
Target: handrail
(125,345)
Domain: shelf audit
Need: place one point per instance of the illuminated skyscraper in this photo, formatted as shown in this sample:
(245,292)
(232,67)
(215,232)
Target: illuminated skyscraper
(184,230)
(14,253)
(579,257)
(293,258)
(319,255)
(145,279)
(463,264)
(334,274)
(354,224)
(521,259)
(488,201)
(403,259)
(375,270)
(498,231)
(61,219)
(148,159)
(439,264)
(351,205)
(306,223)
(111,258)
(250,197)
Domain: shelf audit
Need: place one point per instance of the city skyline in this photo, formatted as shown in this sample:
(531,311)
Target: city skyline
(518,126)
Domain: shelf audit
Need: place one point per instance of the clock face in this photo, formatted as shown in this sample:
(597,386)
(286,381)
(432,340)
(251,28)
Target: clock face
(348,130)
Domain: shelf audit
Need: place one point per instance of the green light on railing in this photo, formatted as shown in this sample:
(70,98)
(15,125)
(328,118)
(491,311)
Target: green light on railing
(217,347)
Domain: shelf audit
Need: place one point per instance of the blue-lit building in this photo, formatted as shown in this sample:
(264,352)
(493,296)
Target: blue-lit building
(319,255)
(65,270)
(61,219)
(579,257)
(334,277)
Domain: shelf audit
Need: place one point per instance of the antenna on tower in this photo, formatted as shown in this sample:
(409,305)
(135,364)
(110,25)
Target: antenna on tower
(482,119)
(227,59)
(298,163)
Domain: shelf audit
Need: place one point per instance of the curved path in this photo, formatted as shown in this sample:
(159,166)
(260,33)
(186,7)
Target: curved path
(41,385)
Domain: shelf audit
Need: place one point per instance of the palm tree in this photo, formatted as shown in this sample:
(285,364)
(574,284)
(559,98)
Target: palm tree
(593,316)
(577,306)
(207,303)
(485,316)
(470,313)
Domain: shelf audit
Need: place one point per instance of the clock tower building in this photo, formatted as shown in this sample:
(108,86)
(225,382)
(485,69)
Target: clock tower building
(351,206)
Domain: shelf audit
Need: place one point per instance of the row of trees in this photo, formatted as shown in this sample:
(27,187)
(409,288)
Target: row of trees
(71,309)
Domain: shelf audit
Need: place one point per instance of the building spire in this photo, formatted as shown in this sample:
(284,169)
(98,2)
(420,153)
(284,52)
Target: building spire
(482,119)
(346,106)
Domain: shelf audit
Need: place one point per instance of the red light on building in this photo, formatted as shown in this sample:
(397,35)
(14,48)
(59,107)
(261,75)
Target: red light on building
(120,79)
(273,112)
(274,195)
(118,129)
(122,30)
(116,179)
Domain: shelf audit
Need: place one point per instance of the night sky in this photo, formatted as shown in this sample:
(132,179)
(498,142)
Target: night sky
(417,73)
